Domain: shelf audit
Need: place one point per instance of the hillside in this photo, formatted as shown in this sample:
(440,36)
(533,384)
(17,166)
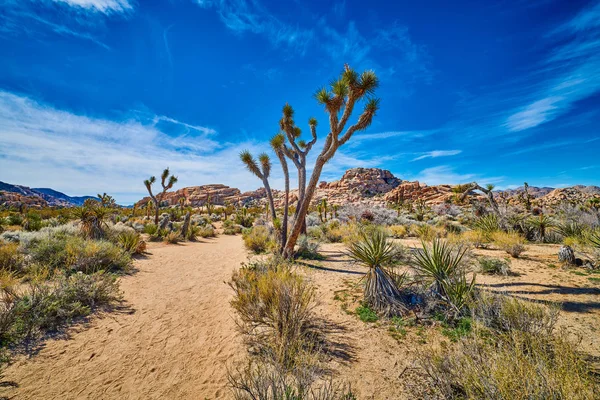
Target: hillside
(17,195)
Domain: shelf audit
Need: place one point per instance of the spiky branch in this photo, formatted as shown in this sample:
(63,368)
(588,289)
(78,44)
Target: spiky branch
(262,173)
(167,181)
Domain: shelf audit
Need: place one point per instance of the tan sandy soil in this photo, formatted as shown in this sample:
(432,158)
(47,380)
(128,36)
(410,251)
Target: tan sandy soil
(180,334)
(379,365)
(172,343)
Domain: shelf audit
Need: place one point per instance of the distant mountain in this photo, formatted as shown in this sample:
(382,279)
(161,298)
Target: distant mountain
(76,200)
(38,196)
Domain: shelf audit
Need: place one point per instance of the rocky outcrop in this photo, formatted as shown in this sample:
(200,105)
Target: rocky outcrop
(17,200)
(571,195)
(198,196)
(364,181)
(413,191)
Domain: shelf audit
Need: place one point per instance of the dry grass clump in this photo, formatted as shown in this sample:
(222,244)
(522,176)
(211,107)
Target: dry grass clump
(514,365)
(258,239)
(513,353)
(275,308)
(476,238)
(510,242)
(172,237)
(11,258)
(398,231)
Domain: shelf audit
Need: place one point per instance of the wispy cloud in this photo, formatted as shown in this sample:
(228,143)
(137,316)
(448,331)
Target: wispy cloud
(437,153)
(103,6)
(573,68)
(81,19)
(348,43)
(250,16)
(445,174)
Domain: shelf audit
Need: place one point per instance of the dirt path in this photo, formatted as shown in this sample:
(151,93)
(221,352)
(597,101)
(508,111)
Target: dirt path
(174,344)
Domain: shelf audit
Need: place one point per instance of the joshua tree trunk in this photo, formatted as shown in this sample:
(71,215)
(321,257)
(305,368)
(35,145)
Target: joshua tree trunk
(186,225)
(270,198)
(303,208)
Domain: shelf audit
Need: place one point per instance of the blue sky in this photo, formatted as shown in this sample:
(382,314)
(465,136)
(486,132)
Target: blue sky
(96,95)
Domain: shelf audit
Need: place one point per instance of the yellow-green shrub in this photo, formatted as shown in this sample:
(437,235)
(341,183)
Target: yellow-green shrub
(511,242)
(258,239)
(398,231)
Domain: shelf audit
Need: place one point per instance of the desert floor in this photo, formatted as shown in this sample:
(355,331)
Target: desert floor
(175,335)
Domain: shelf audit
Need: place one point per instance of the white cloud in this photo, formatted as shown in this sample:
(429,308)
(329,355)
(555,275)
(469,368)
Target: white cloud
(445,174)
(103,6)
(574,67)
(438,153)
(41,146)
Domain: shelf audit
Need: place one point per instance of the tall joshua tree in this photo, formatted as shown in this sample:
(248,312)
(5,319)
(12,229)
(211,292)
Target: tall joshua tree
(278,144)
(339,101)
(488,190)
(167,181)
(297,151)
(262,173)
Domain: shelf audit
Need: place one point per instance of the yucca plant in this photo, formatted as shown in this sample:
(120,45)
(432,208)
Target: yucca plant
(375,251)
(541,225)
(92,216)
(441,264)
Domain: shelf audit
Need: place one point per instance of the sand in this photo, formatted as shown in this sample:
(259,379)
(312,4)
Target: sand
(173,341)
(177,335)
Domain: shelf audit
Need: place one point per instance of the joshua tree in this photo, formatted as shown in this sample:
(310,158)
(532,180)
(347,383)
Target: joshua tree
(167,181)
(488,190)
(339,101)
(262,173)
(298,151)
(107,200)
(526,197)
(278,144)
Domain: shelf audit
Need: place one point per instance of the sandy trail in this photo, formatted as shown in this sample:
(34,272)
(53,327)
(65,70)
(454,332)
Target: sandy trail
(174,344)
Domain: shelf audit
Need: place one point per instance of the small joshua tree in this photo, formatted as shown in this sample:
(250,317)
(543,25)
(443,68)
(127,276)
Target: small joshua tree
(167,181)
(262,173)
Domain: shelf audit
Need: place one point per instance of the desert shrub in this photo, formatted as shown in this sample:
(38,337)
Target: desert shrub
(130,241)
(258,239)
(14,219)
(206,231)
(494,266)
(366,213)
(308,249)
(263,381)
(32,222)
(428,233)
(510,242)
(398,231)
(515,365)
(46,307)
(172,237)
(275,308)
(11,258)
(230,228)
(441,266)
(244,218)
(151,229)
(504,313)
(476,237)
(94,255)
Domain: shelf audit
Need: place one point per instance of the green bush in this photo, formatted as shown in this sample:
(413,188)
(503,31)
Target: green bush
(207,231)
(131,241)
(366,314)
(151,229)
(494,266)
